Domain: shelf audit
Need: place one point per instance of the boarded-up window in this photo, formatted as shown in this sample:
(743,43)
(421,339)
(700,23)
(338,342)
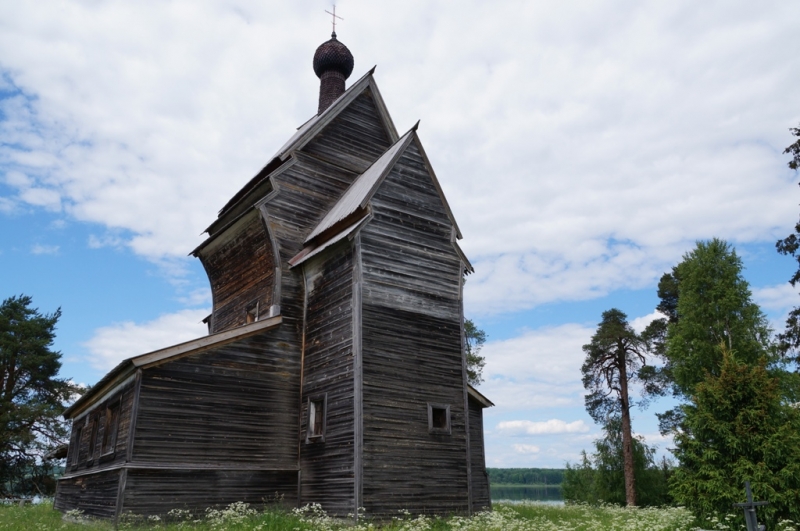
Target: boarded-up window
(111,427)
(76,447)
(439,418)
(316,418)
(93,438)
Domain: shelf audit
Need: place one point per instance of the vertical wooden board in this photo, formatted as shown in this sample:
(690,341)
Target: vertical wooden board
(94,494)
(328,465)
(156,492)
(412,350)
(241,273)
(355,138)
(232,404)
(481,496)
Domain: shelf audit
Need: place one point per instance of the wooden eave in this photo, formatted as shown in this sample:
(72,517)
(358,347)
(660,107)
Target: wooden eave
(359,193)
(306,133)
(337,233)
(478,397)
(126,368)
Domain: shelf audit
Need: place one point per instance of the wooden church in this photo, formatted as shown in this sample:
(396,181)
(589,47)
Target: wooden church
(334,370)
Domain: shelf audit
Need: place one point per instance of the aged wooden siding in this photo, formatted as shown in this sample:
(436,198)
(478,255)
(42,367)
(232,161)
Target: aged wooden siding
(232,404)
(327,466)
(481,496)
(159,491)
(412,352)
(95,458)
(241,273)
(94,494)
(355,138)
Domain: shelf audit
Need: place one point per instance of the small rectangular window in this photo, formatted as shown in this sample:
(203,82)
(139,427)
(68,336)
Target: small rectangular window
(316,418)
(439,418)
(111,427)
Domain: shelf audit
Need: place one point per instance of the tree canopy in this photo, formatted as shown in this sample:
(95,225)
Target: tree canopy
(714,305)
(474,339)
(789,339)
(739,427)
(614,357)
(32,396)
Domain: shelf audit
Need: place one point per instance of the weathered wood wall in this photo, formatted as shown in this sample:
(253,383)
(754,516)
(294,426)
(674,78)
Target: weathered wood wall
(159,491)
(93,458)
(241,272)
(412,353)
(94,494)
(327,465)
(481,496)
(355,139)
(233,404)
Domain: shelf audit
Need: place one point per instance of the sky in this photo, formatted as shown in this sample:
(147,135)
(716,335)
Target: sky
(584,147)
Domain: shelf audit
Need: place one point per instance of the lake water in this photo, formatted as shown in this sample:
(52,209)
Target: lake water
(548,493)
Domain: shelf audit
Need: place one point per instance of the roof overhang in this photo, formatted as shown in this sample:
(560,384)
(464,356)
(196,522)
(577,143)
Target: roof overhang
(478,397)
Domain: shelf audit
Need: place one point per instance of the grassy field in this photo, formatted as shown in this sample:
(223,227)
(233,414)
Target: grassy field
(521,517)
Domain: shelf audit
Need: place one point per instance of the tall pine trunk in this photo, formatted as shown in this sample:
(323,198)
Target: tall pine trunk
(627,440)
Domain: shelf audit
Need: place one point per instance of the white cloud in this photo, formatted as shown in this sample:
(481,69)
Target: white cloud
(640,323)
(777,298)
(538,369)
(526,449)
(44,249)
(583,147)
(547,427)
(111,344)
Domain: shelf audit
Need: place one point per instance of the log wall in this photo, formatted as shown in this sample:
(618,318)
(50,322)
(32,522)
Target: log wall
(412,354)
(481,495)
(94,494)
(241,273)
(92,457)
(327,462)
(234,404)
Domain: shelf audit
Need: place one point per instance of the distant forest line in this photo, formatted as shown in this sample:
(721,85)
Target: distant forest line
(526,476)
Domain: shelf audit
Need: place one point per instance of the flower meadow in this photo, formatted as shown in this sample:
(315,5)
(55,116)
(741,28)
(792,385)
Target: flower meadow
(516,517)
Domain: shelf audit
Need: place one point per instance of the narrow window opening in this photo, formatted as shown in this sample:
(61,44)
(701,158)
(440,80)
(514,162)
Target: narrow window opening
(111,428)
(76,450)
(439,418)
(316,418)
(93,439)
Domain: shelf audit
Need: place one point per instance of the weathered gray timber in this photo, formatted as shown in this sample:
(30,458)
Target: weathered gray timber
(411,326)
(334,370)
(481,494)
(327,460)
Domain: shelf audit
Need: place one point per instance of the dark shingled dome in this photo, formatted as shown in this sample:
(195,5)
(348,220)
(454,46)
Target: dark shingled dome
(334,56)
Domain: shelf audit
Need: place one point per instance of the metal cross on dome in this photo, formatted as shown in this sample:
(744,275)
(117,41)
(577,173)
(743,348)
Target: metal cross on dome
(335,16)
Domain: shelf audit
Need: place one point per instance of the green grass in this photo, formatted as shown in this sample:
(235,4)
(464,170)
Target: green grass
(521,517)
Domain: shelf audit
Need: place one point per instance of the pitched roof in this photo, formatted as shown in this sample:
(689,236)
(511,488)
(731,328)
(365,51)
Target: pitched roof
(306,132)
(361,190)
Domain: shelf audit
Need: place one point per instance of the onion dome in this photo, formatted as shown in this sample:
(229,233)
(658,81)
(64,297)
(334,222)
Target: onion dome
(333,56)
(333,64)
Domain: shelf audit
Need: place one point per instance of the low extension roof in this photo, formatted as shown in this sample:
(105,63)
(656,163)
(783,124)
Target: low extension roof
(127,367)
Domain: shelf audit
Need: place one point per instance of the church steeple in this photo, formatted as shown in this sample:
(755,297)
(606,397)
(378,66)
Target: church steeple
(333,64)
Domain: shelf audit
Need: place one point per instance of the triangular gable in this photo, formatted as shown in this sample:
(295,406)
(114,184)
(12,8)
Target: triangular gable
(349,212)
(311,128)
(306,132)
